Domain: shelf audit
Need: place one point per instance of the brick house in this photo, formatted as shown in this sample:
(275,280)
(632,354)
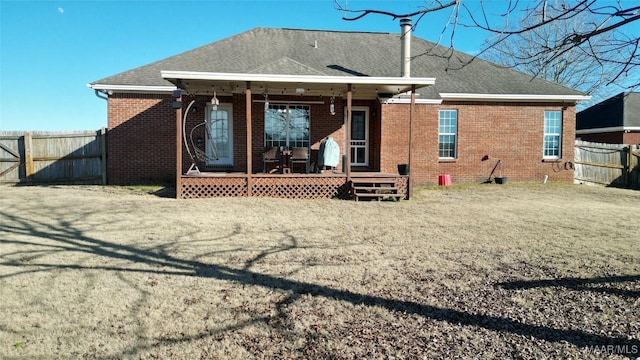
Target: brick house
(614,121)
(295,88)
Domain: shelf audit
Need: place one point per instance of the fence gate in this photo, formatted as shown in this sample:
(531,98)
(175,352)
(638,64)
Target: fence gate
(607,164)
(10,159)
(53,157)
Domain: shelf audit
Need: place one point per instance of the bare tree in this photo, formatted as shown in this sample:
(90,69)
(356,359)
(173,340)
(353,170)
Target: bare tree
(601,39)
(575,68)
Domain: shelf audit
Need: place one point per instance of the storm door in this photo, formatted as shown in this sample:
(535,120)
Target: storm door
(360,136)
(219,140)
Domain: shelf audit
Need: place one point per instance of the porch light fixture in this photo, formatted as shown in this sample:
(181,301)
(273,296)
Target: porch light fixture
(332,107)
(214,102)
(266,101)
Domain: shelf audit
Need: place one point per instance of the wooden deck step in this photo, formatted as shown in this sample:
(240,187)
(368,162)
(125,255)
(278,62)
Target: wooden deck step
(378,196)
(370,188)
(373,184)
(373,188)
(373,181)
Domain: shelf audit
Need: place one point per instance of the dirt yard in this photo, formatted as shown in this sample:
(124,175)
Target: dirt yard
(484,271)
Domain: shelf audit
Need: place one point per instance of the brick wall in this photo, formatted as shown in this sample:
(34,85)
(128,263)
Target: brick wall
(491,131)
(323,124)
(141,144)
(141,140)
(631,138)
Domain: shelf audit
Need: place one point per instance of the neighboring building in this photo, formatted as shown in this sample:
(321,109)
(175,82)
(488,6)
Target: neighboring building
(614,121)
(295,88)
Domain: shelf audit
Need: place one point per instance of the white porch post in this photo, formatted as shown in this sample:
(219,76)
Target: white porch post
(412,115)
(179,148)
(347,149)
(249,147)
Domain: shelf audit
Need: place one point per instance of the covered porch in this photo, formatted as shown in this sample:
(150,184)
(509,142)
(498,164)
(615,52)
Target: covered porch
(249,94)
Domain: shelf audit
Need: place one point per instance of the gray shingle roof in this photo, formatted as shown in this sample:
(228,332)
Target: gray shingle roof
(619,110)
(632,109)
(338,53)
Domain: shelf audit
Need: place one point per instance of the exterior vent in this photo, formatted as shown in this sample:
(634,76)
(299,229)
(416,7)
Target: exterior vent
(405,46)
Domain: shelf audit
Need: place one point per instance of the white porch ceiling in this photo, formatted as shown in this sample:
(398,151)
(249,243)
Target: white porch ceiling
(363,87)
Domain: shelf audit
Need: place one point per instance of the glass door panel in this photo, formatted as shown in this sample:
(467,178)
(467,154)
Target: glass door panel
(359,137)
(219,140)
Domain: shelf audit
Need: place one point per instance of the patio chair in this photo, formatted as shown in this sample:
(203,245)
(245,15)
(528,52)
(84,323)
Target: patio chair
(300,155)
(270,156)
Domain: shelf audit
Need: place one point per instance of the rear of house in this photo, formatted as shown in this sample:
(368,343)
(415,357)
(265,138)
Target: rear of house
(284,88)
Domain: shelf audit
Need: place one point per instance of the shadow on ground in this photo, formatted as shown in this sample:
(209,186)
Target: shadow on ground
(597,284)
(67,238)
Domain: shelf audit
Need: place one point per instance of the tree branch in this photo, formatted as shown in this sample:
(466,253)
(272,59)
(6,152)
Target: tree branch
(577,54)
(363,13)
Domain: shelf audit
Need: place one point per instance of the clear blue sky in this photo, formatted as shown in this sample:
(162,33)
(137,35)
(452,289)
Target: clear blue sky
(50,50)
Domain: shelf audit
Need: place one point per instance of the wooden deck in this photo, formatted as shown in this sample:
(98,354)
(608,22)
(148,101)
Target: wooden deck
(294,186)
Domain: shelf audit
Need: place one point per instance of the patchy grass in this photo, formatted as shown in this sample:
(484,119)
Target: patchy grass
(158,190)
(509,271)
(150,189)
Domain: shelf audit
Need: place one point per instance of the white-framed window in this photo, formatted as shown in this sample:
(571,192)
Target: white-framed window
(286,125)
(551,148)
(447,134)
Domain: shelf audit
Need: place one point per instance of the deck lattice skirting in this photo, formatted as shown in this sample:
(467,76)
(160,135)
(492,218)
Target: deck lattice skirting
(292,187)
(301,187)
(195,187)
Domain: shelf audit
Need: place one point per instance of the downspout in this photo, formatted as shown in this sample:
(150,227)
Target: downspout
(103,139)
(99,95)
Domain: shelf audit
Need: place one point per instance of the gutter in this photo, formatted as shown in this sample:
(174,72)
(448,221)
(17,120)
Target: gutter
(395,100)
(512,97)
(608,129)
(132,88)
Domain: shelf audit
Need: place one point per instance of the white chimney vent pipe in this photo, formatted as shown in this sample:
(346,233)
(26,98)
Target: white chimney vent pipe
(405,50)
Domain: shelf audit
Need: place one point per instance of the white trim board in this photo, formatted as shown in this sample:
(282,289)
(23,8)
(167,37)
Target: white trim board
(318,79)
(608,129)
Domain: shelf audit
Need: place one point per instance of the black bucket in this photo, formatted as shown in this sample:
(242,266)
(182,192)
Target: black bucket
(500,180)
(403,169)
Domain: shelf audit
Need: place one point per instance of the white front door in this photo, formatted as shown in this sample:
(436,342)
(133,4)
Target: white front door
(219,137)
(360,136)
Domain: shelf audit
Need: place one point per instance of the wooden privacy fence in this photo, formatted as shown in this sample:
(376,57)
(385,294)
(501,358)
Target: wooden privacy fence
(77,157)
(607,164)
